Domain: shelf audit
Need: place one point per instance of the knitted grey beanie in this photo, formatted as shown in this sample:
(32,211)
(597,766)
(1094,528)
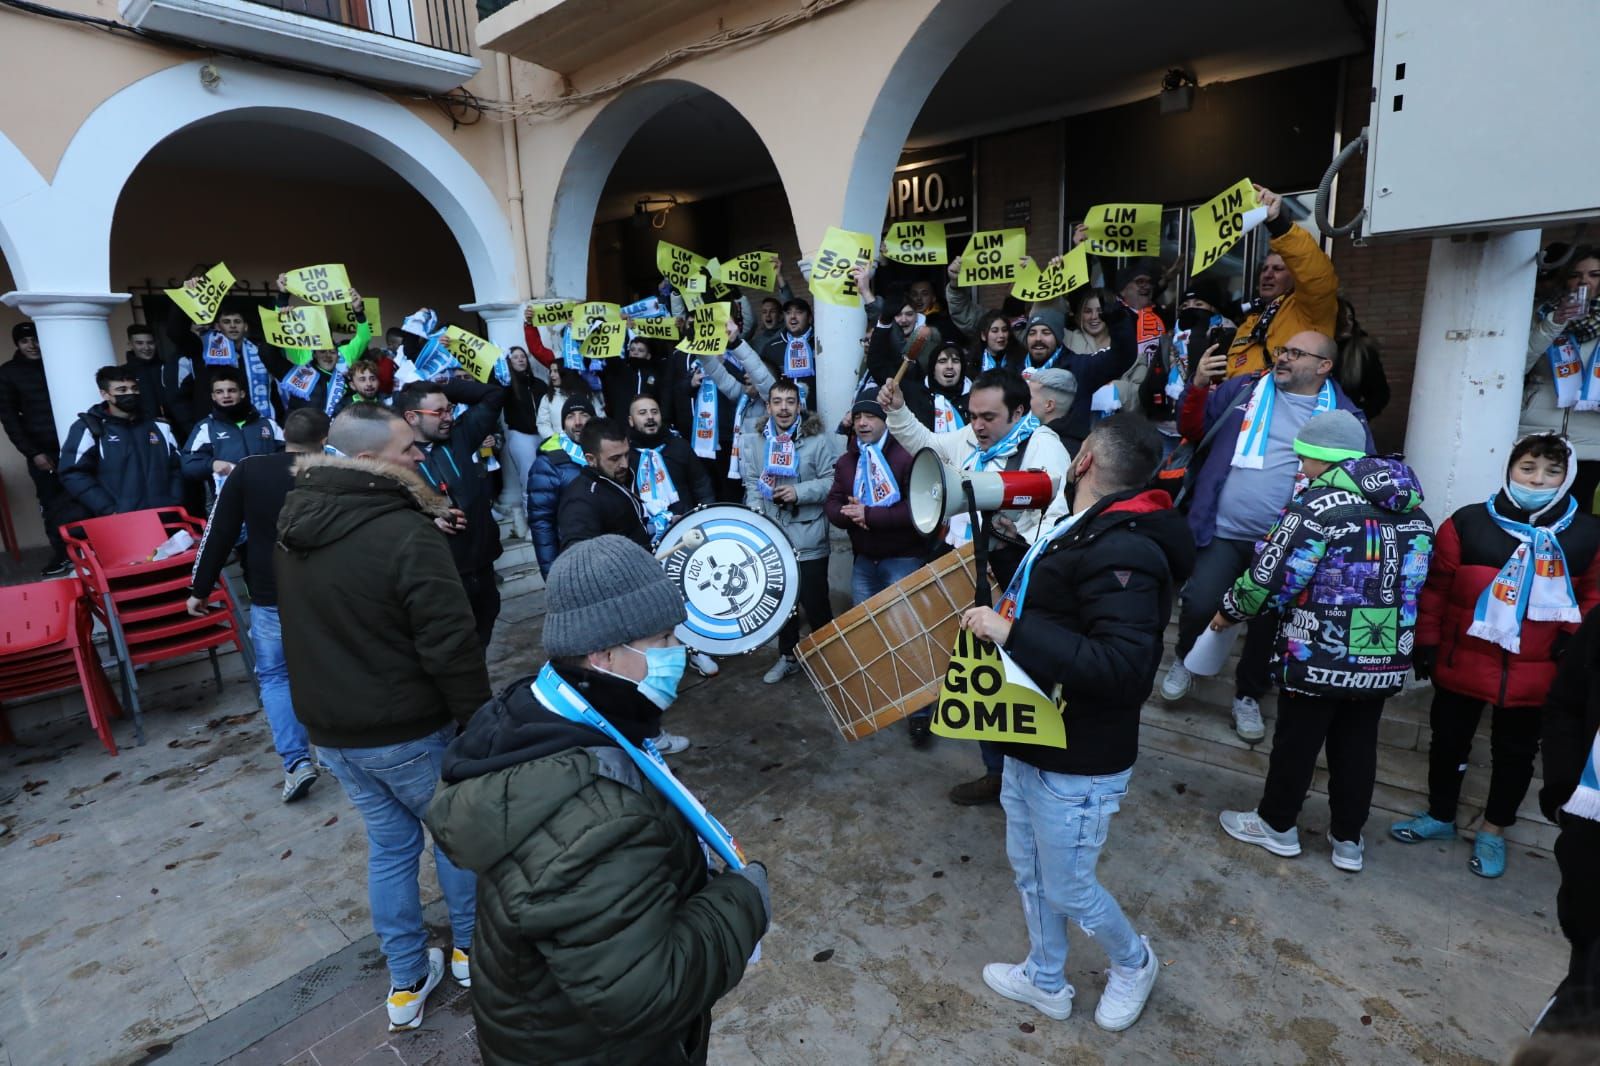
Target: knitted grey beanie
(605,592)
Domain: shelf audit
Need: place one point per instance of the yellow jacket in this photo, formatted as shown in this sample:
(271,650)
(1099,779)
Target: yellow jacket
(1313,305)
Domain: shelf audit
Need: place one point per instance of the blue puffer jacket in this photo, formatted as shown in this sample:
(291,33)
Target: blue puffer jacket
(552,470)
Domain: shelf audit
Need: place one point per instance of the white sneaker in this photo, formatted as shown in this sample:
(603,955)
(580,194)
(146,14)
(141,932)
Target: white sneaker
(1175,686)
(405,1004)
(703,664)
(460,967)
(1347,856)
(780,670)
(670,743)
(1248,827)
(1127,991)
(1247,719)
(1012,982)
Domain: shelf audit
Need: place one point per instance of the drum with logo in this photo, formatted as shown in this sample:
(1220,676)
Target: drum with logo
(738,575)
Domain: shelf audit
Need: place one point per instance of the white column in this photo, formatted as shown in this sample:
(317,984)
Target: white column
(75,340)
(503,322)
(1466,397)
(839,331)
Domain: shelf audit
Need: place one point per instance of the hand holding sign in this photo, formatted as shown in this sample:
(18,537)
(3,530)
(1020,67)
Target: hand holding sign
(201,298)
(474,353)
(1124,229)
(304,327)
(551,313)
(986,696)
(1222,220)
(832,273)
(917,243)
(993,257)
(986,624)
(325,284)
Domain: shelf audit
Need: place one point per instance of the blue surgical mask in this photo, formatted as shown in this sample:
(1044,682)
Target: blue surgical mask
(1530,499)
(663,669)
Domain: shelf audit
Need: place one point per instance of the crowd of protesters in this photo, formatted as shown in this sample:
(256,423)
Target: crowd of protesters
(1207,457)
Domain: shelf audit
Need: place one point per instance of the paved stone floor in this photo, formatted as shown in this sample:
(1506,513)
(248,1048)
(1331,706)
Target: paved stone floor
(162,906)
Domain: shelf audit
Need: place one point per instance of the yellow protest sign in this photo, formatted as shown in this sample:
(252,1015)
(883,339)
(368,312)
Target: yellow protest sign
(833,267)
(202,302)
(1222,220)
(992,257)
(692,301)
(296,327)
(325,284)
(471,351)
(708,332)
(752,270)
(586,314)
(1036,286)
(986,696)
(714,285)
(551,313)
(918,243)
(697,283)
(341,319)
(657,329)
(676,264)
(1124,229)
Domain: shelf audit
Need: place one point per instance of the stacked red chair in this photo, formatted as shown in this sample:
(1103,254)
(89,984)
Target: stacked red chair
(47,645)
(142,602)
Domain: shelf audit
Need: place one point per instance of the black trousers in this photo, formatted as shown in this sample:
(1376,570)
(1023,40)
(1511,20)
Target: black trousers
(814,602)
(1578,910)
(1349,729)
(483,593)
(1216,568)
(55,506)
(1513,742)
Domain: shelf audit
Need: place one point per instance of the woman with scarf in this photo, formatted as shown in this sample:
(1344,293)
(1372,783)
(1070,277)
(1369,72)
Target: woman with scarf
(997,345)
(1510,581)
(1561,393)
(521,413)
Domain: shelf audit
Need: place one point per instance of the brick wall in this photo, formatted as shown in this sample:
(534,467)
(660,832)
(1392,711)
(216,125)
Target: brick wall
(1022,164)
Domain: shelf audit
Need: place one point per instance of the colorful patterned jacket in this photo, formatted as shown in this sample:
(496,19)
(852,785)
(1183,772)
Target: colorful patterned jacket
(1344,565)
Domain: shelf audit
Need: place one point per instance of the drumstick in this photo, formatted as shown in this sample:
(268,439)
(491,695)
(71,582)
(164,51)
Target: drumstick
(901,373)
(691,540)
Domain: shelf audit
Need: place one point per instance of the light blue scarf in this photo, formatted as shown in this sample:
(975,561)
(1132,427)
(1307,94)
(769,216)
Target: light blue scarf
(1534,583)
(875,484)
(1006,445)
(1250,450)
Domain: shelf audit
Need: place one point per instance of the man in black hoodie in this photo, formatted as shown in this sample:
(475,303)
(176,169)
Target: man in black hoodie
(165,385)
(114,459)
(453,464)
(1085,611)
(667,476)
(25,413)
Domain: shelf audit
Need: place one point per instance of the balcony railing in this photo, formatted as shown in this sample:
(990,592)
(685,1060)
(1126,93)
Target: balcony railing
(438,23)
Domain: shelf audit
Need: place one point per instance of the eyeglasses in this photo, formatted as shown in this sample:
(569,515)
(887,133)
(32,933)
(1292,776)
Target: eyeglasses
(1294,353)
(436,412)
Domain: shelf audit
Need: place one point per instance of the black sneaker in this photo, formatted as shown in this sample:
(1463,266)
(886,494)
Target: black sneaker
(57,568)
(921,733)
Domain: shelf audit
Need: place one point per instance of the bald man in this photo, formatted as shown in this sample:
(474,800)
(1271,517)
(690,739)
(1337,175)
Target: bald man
(1245,480)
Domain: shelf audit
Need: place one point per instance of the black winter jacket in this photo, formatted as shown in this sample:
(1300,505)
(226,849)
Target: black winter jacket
(688,474)
(242,432)
(593,505)
(623,378)
(1571,717)
(252,496)
(377,629)
(553,470)
(1096,609)
(166,390)
(602,938)
(454,469)
(25,407)
(113,465)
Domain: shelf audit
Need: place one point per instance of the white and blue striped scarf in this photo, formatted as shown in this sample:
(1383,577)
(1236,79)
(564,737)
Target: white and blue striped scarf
(1250,450)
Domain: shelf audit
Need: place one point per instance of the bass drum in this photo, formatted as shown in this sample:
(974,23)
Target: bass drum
(738,575)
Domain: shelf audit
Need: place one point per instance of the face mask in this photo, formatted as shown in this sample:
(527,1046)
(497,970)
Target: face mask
(126,404)
(663,669)
(1530,499)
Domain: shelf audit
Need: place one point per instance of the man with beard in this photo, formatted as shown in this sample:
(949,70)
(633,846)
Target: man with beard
(165,385)
(793,352)
(452,466)
(29,423)
(600,499)
(1045,345)
(115,460)
(232,430)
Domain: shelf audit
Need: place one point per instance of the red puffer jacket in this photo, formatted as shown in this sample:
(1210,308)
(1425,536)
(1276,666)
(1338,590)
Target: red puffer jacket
(1469,552)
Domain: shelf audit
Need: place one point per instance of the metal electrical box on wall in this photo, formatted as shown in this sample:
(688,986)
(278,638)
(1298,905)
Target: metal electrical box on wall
(1480,116)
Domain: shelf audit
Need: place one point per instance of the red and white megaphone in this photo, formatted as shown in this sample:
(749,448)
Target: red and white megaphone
(937,491)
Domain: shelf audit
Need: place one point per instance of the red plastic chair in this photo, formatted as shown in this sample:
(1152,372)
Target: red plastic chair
(47,645)
(143,603)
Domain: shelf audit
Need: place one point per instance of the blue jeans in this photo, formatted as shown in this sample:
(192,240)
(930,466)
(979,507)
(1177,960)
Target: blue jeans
(272,679)
(871,576)
(392,788)
(1055,827)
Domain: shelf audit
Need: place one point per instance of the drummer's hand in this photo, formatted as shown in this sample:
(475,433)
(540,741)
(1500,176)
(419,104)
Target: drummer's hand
(856,511)
(1004,526)
(785,494)
(1221,622)
(983,622)
(889,397)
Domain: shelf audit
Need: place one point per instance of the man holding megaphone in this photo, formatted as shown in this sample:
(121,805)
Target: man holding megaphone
(1000,435)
